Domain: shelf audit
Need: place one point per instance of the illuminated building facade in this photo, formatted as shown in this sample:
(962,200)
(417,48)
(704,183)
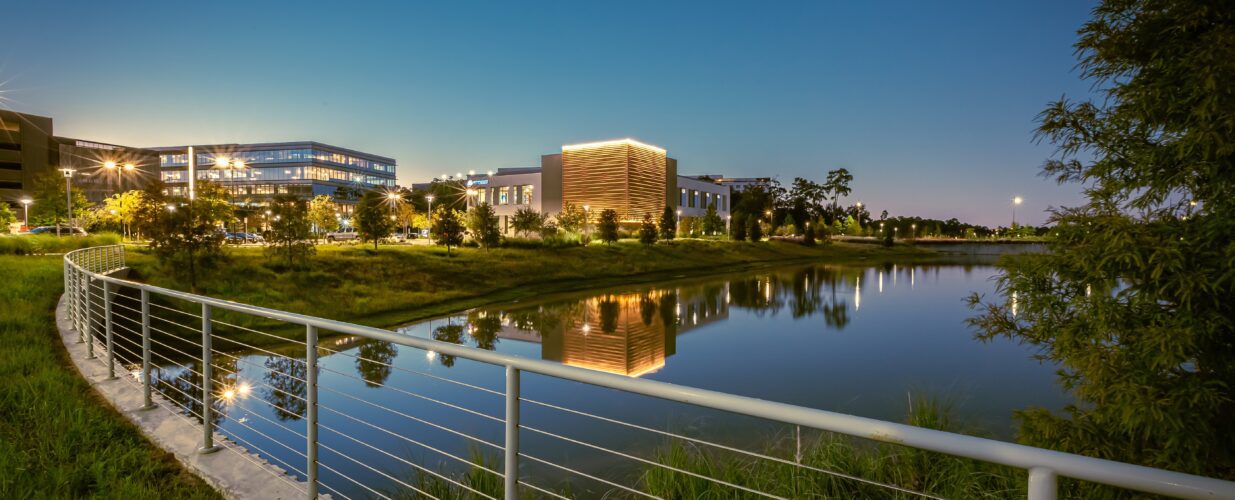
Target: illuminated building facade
(625,175)
(254,173)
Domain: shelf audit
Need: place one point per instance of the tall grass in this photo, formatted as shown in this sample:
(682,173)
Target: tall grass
(57,439)
(36,244)
(909,468)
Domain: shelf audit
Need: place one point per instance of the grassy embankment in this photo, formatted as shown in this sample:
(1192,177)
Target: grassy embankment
(37,244)
(398,284)
(57,438)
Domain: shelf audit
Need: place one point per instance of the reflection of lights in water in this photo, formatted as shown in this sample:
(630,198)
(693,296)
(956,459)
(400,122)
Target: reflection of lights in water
(244,389)
(857,294)
(694,318)
(430,356)
(242,419)
(1088,290)
(911,276)
(137,375)
(880,281)
(893,274)
(586,328)
(1014,304)
(228,395)
(677,309)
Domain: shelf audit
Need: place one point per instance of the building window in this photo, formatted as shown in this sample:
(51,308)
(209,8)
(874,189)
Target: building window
(503,196)
(694,199)
(527,195)
(682,198)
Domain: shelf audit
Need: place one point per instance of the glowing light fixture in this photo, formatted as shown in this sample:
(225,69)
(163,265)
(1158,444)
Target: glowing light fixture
(627,141)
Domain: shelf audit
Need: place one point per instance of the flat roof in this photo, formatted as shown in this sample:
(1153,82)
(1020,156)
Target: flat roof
(627,141)
(259,146)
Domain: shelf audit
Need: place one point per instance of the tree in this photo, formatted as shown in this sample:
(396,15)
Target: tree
(483,224)
(808,236)
(837,185)
(49,207)
(712,223)
(7,217)
(754,229)
(123,209)
(668,224)
(323,215)
(374,221)
(186,234)
(290,230)
(808,197)
(647,230)
(571,218)
(738,228)
(790,224)
(607,227)
(527,221)
(1133,300)
(447,229)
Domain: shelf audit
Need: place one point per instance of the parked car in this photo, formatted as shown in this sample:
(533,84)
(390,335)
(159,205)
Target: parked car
(346,235)
(64,231)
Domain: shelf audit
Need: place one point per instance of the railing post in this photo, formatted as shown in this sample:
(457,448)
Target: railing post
(207,374)
(310,361)
(1043,484)
(88,337)
(149,403)
(107,318)
(512,433)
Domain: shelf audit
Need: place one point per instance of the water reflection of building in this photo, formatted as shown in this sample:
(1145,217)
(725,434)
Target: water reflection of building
(628,334)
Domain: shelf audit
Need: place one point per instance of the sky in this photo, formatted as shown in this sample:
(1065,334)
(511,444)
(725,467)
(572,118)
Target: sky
(930,105)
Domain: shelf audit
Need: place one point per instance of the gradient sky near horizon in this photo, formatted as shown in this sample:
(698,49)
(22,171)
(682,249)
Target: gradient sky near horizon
(931,105)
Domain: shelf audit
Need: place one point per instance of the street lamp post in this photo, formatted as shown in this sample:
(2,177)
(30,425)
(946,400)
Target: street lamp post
(1016,200)
(119,169)
(68,197)
(429,198)
(231,166)
(26,220)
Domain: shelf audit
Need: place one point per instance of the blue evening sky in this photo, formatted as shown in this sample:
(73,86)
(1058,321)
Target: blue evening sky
(931,105)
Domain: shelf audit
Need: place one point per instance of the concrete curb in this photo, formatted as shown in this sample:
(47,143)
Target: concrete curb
(233,471)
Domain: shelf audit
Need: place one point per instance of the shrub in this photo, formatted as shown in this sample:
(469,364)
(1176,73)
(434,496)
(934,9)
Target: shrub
(607,228)
(755,229)
(668,224)
(647,230)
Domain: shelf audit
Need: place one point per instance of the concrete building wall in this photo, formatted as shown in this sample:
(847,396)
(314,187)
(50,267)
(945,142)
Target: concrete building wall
(509,192)
(694,196)
(24,154)
(551,182)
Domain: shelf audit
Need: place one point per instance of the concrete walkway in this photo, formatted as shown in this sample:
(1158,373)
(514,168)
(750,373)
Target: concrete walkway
(232,471)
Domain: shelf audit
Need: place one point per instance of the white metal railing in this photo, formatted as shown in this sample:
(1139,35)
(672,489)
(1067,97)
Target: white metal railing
(94,296)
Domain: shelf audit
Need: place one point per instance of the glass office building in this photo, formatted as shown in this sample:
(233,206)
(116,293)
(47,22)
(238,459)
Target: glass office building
(254,173)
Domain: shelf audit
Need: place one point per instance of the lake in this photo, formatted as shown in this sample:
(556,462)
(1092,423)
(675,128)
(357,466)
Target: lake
(855,340)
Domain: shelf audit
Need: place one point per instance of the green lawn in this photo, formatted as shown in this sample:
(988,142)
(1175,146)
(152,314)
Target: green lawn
(57,438)
(398,284)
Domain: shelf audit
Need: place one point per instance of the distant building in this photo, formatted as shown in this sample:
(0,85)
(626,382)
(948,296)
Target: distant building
(28,150)
(255,173)
(741,183)
(625,175)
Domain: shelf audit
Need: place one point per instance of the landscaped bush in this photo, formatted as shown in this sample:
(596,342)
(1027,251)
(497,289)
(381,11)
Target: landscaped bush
(33,244)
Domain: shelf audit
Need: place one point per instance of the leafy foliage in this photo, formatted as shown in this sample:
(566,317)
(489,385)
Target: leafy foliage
(527,221)
(607,227)
(712,223)
(668,224)
(49,207)
(754,229)
(186,235)
(571,218)
(1134,298)
(373,217)
(647,230)
(7,217)
(290,231)
(322,214)
(483,224)
(447,228)
(738,228)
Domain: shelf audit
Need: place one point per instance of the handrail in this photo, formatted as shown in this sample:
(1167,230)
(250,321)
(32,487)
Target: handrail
(1043,465)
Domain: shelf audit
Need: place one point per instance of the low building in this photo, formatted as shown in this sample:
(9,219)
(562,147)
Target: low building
(255,173)
(625,175)
(738,184)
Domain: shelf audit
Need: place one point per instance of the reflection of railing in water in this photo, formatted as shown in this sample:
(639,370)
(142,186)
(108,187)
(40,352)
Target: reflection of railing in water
(92,297)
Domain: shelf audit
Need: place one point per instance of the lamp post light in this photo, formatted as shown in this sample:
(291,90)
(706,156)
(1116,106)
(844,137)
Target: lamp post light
(26,220)
(913,231)
(68,196)
(429,198)
(1016,200)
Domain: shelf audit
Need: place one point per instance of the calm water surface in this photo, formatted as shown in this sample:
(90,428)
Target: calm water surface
(856,340)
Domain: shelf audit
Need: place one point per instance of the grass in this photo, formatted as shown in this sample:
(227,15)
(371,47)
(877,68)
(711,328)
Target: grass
(918,470)
(399,284)
(57,438)
(36,244)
